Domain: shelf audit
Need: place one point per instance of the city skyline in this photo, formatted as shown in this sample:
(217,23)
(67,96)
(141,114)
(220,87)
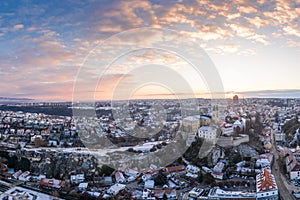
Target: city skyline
(254,45)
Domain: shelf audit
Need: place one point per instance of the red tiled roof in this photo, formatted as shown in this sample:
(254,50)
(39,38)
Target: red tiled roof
(175,168)
(51,183)
(265,181)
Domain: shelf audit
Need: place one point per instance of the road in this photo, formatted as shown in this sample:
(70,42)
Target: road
(283,190)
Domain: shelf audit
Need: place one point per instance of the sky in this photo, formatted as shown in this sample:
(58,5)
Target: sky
(254,45)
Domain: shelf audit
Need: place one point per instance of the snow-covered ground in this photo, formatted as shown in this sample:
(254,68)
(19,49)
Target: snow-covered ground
(22,193)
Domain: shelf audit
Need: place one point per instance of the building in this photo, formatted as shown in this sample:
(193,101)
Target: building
(83,187)
(227,129)
(149,184)
(217,175)
(219,167)
(178,168)
(116,188)
(51,183)
(191,123)
(235,99)
(192,169)
(169,193)
(208,132)
(120,177)
(219,194)
(25,193)
(264,160)
(292,164)
(131,172)
(266,187)
(76,179)
(24,176)
(17,174)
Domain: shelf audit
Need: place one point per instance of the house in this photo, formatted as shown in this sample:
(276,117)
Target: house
(51,183)
(217,175)
(24,176)
(131,172)
(120,177)
(17,174)
(206,169)
(149,175)
(149,184)
(40,177)
(178,168)
(266,187)
(78,178)
(169,193)
(292,164)
(264,160)
(238,124)
(192,169)
(195,192)
(146,193)
(83,187)
(227,129)
(107,180)
(219,167)
(116,188)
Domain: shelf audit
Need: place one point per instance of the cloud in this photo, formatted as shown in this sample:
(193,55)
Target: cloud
(229,48)
(247,52)
(292,43)
(288,93)
(248,33)
(117,28)
(292,30)
(247,9)
(18,26)
(54,40)
(258,22)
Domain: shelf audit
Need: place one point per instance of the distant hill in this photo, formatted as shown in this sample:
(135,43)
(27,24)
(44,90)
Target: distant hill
(11,99)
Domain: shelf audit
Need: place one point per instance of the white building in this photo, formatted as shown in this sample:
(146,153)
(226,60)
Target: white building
(116,188)
(219,167)
(192,168)
(217,175)
(227,129)
(83,187)
(207,132)
(78,178)
(149,184)
(264,160)
(266,187)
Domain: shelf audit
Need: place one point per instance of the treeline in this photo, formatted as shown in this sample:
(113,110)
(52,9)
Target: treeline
(49,110)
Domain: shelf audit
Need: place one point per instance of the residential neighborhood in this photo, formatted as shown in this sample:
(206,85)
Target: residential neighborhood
(245,160)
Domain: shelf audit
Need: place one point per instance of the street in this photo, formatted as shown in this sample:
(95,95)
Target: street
(283,190)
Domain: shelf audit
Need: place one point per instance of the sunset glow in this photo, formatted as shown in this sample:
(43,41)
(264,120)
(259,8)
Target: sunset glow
(255,45)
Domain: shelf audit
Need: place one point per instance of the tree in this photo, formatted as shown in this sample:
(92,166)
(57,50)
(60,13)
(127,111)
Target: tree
(161,179)
(200,177)
(165,196)
(208,179)
(106,170)
(23,164)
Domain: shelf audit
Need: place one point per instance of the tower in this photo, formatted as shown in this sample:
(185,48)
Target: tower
(235,99)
